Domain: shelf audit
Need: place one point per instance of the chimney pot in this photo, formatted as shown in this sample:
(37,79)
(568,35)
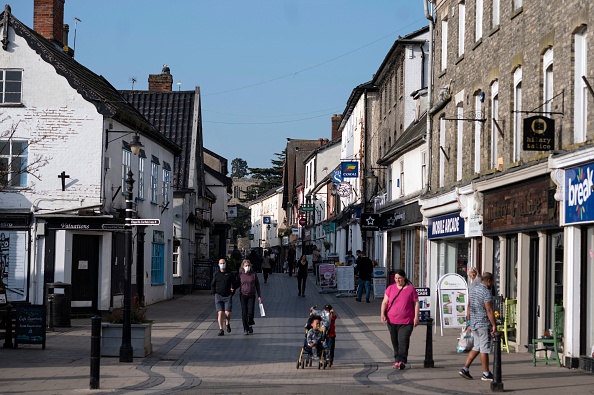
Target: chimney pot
(48,20)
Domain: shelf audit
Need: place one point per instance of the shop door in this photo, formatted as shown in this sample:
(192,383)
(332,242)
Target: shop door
(85,271)
(118,264)
(533,306)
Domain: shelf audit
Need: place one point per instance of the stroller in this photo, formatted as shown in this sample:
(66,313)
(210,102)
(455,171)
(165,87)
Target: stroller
(306,354)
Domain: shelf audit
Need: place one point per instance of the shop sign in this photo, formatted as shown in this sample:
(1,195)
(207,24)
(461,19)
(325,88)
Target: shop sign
(349,169)
(579,194)
(539,133)
(15,221)
(405,215)
(370,221)
(446,226)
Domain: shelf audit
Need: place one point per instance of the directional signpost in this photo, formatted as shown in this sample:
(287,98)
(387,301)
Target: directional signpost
(144,222)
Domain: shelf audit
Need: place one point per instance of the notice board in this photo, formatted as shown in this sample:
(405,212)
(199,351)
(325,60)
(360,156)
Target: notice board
(30,325)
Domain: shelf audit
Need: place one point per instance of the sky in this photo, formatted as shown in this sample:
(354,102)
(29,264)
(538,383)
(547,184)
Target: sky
(268,70)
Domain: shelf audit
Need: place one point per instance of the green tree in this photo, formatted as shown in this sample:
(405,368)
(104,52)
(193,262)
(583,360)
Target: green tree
(270,177)
(239,168)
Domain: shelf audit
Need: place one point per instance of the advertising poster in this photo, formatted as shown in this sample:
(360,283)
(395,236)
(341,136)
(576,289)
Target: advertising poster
(327,276)
(424,304)
(452,292)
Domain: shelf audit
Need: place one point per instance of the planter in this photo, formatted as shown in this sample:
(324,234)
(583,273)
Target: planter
(111,339)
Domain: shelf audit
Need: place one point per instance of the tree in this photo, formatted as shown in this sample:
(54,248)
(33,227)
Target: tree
(239,168)
(270,177)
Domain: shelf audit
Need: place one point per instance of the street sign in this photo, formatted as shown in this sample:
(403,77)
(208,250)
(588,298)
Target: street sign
(307,208)
(302,221)
(142,221)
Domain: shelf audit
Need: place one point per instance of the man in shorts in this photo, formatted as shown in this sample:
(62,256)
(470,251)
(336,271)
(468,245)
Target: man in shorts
(223,286)
(482,323)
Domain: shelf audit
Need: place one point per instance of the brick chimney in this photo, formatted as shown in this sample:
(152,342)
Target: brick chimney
(336,118)
(161,82)
(48,19)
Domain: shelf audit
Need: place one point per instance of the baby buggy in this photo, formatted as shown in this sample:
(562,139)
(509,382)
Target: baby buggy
(315,333)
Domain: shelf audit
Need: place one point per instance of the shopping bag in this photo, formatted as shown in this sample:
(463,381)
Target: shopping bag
(465,342)
(262,312)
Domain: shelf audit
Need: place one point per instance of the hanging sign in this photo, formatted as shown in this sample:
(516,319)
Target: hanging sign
(539,133)
(336,176)
(349,169)
(452,292)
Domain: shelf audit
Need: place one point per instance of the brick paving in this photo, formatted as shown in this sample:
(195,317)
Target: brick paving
(189,358)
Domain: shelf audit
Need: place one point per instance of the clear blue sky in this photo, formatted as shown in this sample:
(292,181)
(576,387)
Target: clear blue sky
(267,69)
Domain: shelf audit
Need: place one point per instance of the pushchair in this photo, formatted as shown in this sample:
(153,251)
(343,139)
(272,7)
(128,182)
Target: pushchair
(306,354)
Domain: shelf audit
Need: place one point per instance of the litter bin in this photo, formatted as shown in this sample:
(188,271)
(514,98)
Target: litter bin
(59,298)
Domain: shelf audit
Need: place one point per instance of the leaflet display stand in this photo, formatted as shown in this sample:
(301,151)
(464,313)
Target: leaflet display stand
(452,294)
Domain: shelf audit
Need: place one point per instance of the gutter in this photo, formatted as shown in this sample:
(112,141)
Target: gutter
(428,136)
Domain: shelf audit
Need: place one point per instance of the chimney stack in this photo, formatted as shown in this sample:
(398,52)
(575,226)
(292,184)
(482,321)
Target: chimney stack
(336,119)
(48,19)
(161,82)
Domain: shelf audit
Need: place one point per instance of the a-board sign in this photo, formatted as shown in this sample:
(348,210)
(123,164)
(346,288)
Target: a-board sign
(30,325)
(327,275)
(202,276)
(452,292)
(345,278)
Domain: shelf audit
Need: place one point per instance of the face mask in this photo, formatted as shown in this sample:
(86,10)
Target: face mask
(222,266)
(247,269)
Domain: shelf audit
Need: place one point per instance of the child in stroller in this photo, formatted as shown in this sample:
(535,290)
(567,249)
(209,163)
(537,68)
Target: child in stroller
(315,340)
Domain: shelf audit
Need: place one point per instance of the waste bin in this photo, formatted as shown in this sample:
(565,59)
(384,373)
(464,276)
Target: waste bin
(59,298)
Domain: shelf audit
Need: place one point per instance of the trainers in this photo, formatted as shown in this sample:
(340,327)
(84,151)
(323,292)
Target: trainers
(221,333)
(487,377)
(465,374)
(246,332)
(396,365)
(402,366)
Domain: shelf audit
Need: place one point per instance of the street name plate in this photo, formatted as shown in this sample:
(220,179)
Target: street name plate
(142,221)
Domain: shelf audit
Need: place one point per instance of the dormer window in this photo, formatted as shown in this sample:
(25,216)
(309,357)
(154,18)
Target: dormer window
(11,84)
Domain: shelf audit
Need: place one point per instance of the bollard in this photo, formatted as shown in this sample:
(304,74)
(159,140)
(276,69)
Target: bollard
(95,351)
(497,384)
(8,339)
(50,321)
(428,362)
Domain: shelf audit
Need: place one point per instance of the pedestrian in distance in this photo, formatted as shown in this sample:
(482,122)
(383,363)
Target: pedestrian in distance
(349,259)
(482,325)
(316,256)
(302,266)
(400,309)
(266,266)
(291,256)
(249,288)
(364,271)
(223,287)
(474,278)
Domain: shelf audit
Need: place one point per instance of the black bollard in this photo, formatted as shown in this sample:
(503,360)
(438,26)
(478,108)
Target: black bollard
(8,339)
(497,383)
(95,351)
(428,362)
(50,321)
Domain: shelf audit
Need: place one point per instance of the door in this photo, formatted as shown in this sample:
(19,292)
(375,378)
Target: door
(118,264)
(85,272)
(533,306)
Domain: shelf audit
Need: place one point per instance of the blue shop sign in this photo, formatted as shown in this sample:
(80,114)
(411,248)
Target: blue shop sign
(446,226)
(349,169)
(579,199)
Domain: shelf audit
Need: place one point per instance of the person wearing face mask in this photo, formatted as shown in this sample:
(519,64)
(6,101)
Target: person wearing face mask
(248,290)
(223,286)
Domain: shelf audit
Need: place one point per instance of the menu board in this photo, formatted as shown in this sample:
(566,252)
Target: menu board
(345,278)
(327,275)
(30,325)
(452,291)
(202,276)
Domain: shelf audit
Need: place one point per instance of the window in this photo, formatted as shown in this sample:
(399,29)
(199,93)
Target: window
(126,158)
(444,44)
(460,140)
(166,182)
(442,138)
(495,19)
(494,120)
(581,90)
(401,178)
(423,168)
(547,67)
(154,182)
(13,162)
(518,4)
(158,258)
(389,182)
(478,18)
(141,182)
(517,114)
(11,84)
(461,27)
(477,131)
(176,250)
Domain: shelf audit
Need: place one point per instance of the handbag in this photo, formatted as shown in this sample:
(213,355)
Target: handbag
(262,312)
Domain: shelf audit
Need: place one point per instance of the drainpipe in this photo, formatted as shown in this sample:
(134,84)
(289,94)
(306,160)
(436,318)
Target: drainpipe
(428,136)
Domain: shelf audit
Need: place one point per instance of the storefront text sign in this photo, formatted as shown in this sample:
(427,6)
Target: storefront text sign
(539,133)
(446,226)
(579,194)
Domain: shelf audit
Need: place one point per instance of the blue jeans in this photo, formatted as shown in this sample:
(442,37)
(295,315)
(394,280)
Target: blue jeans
(367,284)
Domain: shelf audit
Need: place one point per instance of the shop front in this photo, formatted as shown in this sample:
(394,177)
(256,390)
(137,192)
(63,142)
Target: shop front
(448,244)
(14,256)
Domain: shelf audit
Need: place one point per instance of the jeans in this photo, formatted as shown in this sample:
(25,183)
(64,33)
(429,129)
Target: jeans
(266,272)
(360,283)
(400,336)
(247,310)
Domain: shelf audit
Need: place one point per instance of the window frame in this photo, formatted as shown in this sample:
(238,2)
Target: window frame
(12,159)
(126,166)
(496,15)
(4,81)
(166,186)
(141,177)
(547,81)
(461,27)
(442,138)
(580,105)
(517,92)
(494,118)
(444,44)
(478,20)
(459,142)
(154,182)
(478,107)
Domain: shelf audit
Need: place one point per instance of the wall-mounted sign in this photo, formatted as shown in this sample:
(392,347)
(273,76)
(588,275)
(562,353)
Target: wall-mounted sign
(370,221)
(539,133)
(349,169)
(579,190)
(266,220)
(446,226)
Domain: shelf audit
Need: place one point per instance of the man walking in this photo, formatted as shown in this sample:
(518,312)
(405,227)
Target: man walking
(223,286)
(291,256)
(482,323)
(363,270)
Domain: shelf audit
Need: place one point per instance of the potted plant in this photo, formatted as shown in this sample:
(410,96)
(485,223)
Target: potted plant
(327,245)
(111,331)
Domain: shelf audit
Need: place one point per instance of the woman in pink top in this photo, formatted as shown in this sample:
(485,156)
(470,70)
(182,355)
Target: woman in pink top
(400,309)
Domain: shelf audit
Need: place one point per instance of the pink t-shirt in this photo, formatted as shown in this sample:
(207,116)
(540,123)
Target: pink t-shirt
(402,310)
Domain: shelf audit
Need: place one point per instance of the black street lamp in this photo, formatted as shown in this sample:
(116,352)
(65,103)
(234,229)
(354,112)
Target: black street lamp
(126,350)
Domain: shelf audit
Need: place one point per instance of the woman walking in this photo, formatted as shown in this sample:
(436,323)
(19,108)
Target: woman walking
(301,275)
(248,289)
(266,266)
(400,309)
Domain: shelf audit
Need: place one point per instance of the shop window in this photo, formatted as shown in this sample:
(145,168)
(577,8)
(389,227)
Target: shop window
(554,275)
(588,268)
(511,265)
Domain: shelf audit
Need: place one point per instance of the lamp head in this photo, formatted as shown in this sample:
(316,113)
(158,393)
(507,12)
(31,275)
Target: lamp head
(136,145)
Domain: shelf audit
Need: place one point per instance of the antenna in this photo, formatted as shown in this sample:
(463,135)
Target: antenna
(76,20)
(133,81)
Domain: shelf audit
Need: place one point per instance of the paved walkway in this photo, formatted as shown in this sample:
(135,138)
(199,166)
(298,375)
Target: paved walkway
(189,357)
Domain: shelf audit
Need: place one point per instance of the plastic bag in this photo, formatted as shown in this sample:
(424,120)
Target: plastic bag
(262,312)
(465,342)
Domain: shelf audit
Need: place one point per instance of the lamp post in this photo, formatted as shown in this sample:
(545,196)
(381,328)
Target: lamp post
(126,350)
